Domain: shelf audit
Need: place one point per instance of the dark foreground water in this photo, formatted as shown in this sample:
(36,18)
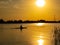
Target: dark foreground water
(35,34)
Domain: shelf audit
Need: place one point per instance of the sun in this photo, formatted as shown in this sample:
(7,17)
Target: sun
(40,3)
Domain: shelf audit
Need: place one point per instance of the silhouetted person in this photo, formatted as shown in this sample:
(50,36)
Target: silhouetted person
(21,27)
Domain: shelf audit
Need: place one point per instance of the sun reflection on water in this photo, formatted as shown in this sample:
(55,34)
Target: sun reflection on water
(40,24)
(40,42)
(42,34)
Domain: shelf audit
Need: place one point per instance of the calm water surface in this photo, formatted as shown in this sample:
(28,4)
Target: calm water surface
(35,34)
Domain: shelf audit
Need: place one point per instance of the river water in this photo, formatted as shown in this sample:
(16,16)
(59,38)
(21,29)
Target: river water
(35,34)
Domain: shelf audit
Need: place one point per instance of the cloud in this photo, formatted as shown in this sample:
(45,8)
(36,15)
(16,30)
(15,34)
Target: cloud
(7,3)
(16,4)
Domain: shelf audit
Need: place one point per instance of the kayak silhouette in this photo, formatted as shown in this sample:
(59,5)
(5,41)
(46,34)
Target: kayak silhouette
(21,28)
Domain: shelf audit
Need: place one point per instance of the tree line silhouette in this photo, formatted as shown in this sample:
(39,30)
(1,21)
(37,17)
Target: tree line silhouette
(27,21)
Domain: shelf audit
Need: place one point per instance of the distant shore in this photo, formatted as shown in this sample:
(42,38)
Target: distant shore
(27,21)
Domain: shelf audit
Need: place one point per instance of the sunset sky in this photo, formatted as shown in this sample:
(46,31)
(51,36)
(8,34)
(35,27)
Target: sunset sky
(28,10)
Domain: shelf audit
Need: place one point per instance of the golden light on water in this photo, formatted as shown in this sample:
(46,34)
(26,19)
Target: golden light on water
(40,36)
(40,3)
(40,24)
(40,42)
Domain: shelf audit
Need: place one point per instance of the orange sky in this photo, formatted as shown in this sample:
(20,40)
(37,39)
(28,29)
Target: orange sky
(27,10)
